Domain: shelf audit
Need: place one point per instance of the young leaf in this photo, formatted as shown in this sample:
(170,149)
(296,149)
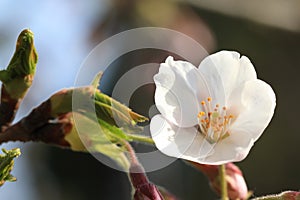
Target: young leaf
(98,138)
(18,76)
(6,164)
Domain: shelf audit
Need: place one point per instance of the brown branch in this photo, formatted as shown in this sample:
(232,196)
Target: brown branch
(50,122)
(8,108)
(39,125)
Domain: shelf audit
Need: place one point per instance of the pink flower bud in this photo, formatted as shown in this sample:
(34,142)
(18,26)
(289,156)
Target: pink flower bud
(144,190)
(236,185)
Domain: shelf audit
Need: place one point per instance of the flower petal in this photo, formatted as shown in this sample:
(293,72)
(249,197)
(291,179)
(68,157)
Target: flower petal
(259,101)
(178,142)
(232,149)
(225,70)
(214,82)
(174,97)
(170,139)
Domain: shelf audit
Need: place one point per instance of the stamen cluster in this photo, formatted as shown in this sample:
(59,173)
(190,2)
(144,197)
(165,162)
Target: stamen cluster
(214,123)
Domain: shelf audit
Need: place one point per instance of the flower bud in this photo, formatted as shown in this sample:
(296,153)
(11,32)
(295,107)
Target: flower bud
(144,190)
(236,185)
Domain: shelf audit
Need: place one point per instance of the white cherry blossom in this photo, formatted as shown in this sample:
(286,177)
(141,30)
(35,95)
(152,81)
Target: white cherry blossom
(212,114)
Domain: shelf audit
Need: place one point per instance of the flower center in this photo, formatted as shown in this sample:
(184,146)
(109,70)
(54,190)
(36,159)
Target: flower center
(214,122)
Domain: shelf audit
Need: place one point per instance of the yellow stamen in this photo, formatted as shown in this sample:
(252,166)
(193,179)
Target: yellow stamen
(200,114)
(213,122)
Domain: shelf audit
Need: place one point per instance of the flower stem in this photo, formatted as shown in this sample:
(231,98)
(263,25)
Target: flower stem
(131,152)
(223,182)
(140,138)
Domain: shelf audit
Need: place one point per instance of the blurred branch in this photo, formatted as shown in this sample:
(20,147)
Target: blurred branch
(17,78)
(287,195)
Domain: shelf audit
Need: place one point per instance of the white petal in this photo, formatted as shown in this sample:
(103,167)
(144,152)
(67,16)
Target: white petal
(232,149)
(214,82)
(177,142)
(256,101)
(225,70)
(176,100)
(259,102)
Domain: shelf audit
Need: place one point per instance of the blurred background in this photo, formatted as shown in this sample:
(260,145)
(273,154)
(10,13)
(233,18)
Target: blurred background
(267,31)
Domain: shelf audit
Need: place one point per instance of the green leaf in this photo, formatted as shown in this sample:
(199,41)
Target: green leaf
(6,164)
(97,137)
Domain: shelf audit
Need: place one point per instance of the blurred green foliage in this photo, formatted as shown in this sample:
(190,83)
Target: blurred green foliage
(6,164)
